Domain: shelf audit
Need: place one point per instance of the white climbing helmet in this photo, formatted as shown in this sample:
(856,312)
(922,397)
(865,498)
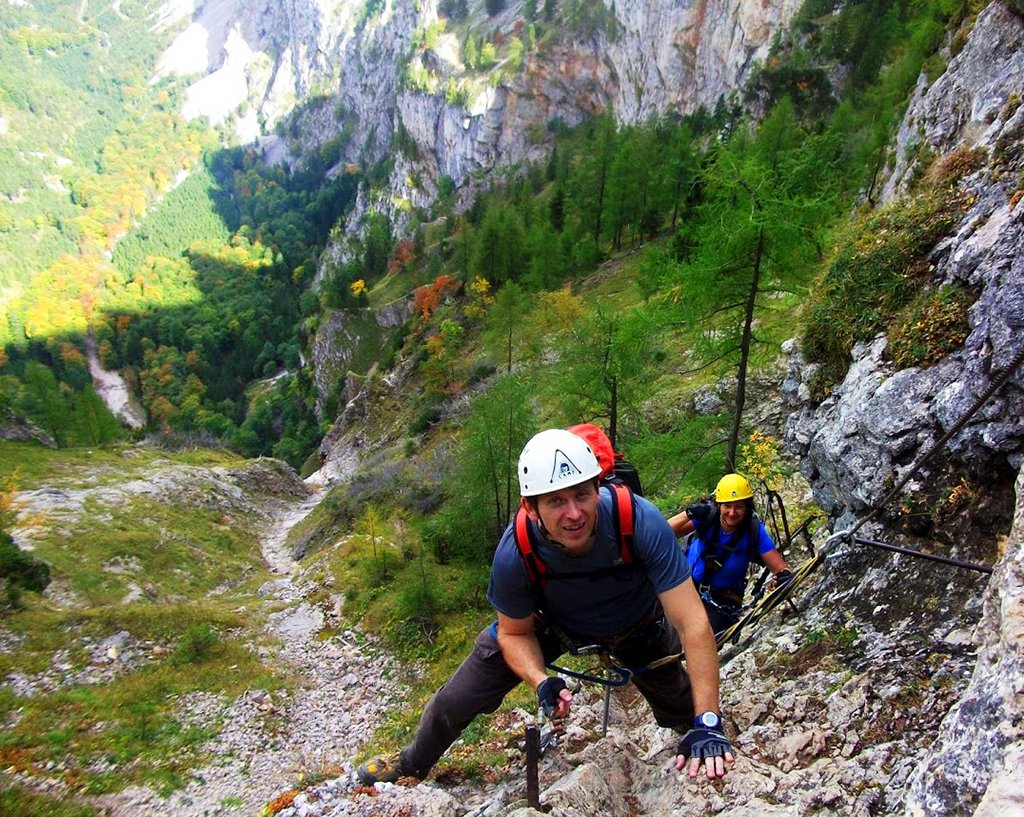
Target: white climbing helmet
(555,459)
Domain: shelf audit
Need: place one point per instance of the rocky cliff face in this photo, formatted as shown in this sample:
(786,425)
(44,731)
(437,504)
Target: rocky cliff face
(976,765)
(654,57)
(878,421)
(341,65)
(255,59)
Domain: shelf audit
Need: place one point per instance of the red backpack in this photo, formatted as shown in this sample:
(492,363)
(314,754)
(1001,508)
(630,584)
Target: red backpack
(614,468)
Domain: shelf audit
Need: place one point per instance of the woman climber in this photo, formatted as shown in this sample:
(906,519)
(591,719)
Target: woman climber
(727,537)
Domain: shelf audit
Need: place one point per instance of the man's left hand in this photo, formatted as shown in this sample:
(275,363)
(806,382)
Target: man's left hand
(704,745)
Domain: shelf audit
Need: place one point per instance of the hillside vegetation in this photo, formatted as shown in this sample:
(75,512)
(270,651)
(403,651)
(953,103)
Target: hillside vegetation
(643,278)
(207,289)
(152,562)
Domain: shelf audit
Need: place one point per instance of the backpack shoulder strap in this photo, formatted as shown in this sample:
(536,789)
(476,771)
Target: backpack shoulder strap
(536,570)
(622,517)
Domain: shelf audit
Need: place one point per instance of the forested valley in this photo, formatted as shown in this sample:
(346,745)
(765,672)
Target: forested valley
(190,263)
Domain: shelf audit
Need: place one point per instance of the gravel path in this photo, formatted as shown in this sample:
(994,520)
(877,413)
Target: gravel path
(269,741)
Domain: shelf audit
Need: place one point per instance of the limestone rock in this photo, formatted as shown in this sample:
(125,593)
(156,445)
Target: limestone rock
(977,754)
(877,422)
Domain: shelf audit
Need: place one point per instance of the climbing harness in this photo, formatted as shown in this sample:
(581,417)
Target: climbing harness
(606,673)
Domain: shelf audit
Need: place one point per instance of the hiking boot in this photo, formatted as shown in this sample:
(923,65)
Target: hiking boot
(381,769)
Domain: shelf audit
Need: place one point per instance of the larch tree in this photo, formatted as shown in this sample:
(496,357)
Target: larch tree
(756,241)
(500,422)
(606,364)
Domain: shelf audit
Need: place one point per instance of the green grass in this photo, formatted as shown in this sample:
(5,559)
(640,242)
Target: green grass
(19,802)
(124,731)
(878,270)
(127,726)
(173,551)
(931,326)
(37,465)
(179,545)
(173,547)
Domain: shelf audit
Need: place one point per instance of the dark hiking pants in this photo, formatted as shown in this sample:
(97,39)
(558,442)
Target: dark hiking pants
(483,680)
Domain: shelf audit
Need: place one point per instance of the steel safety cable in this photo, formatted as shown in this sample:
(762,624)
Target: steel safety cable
(996,383)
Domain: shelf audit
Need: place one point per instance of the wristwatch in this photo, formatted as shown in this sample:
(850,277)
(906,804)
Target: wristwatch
(708,720)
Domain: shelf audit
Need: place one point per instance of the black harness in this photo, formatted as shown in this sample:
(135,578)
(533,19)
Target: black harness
(714,555)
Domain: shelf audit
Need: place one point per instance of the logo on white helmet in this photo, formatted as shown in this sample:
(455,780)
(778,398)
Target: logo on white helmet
(564,468)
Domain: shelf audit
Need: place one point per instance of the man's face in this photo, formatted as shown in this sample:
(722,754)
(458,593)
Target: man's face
(569,516)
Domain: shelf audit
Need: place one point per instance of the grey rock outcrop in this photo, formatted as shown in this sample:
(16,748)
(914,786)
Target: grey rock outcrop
(258,59)
(338,339)
(970,103)
(976,765)
(255,59)
(879,421)
(15,428)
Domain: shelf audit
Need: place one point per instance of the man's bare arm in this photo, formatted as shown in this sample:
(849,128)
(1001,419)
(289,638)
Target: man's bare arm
(521,651)
(684,611)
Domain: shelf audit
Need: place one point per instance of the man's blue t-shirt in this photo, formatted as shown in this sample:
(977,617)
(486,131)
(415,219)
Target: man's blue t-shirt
(596,606)
(733,573)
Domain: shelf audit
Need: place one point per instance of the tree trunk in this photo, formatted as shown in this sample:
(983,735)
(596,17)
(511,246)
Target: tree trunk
(495,486)
(741,371)
(613,410)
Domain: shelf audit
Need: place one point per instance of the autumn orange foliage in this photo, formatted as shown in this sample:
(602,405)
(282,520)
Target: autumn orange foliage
(427,298)
(403,255)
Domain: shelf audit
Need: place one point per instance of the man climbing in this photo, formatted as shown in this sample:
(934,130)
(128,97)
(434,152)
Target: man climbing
(638,608)
(728,536)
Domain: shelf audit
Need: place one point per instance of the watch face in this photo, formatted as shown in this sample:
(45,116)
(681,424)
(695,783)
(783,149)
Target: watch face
(710,720)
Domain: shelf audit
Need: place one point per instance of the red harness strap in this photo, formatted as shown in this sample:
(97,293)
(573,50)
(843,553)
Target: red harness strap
(622,514)
(622,517)
(536,570)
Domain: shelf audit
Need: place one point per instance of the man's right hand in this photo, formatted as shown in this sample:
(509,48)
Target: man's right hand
(554,698)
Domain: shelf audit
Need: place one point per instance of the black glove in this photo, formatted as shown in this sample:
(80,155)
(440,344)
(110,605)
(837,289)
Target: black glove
(703,743)
(547,694)
(782,578)
(700,513)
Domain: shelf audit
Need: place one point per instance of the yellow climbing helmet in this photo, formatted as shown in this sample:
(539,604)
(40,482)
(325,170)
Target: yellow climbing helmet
(733,487)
